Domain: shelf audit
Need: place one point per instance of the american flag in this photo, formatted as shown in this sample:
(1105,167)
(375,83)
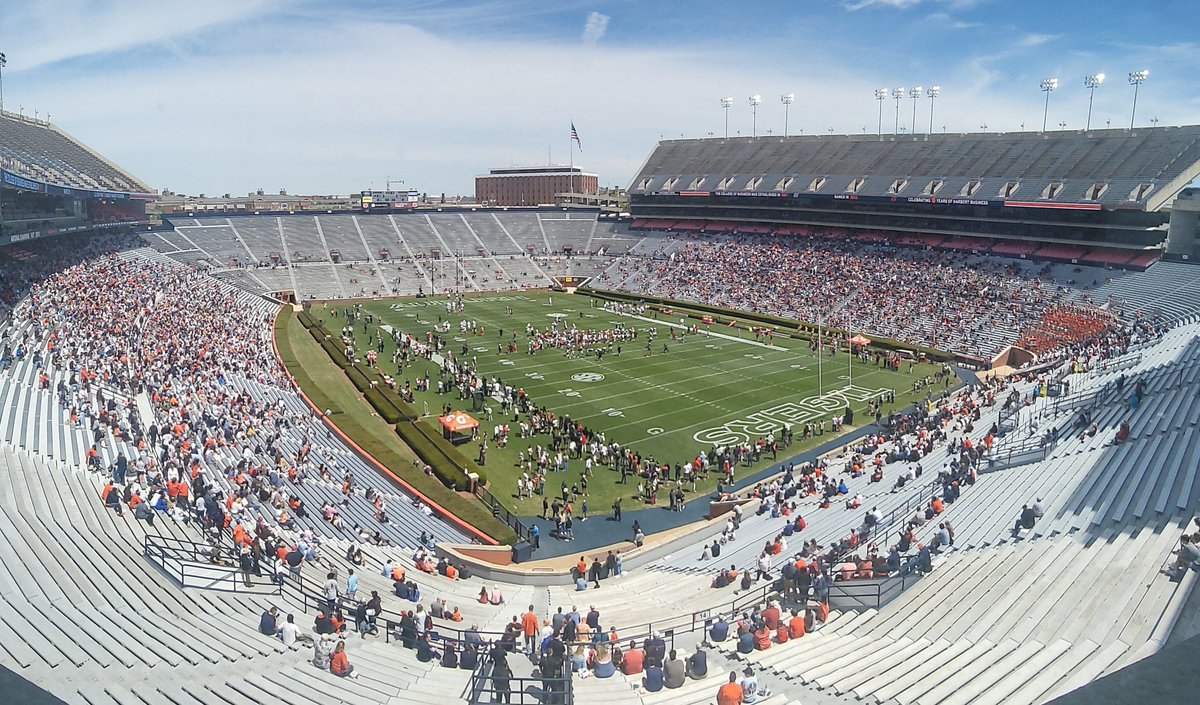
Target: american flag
(575,136)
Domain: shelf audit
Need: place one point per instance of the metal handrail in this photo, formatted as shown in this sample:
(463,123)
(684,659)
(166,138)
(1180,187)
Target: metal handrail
(190,557)
(520,691)
(182,561)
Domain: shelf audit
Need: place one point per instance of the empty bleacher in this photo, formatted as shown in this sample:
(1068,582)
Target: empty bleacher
(1122,158)
(41,151)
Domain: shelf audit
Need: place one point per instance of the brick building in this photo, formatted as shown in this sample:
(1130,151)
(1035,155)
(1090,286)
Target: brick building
(533,185)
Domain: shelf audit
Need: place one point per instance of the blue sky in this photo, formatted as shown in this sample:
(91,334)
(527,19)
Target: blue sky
(331,97)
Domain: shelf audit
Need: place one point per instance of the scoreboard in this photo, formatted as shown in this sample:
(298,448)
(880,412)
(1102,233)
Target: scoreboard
(389,200)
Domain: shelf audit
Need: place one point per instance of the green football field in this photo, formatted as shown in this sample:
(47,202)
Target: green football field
(717,387)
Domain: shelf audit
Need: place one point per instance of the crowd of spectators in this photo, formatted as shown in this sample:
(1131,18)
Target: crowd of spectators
(944,300)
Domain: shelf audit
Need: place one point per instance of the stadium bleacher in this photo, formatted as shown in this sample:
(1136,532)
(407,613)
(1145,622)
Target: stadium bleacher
(1074,160)
(41,151)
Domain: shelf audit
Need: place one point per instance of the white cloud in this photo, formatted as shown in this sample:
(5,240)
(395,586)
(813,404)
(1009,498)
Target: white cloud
(1033,40)
(50,31)
(594,28)
(945,20)
(862,4)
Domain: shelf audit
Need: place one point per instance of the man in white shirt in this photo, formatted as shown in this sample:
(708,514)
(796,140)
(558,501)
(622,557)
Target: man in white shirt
(749,686)
(289,632)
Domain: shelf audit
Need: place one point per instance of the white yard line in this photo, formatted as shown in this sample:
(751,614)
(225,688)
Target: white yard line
(702,331)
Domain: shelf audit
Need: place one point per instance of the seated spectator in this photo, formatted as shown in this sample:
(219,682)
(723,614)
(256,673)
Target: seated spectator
(322,652)
(656,650)
(731,692)
(323,625)
(745,642)
(653,680)
(750,689)
(340,663)
(604,667)
(762,637)
(924,559)
(469,659)
(289,632)
(1188,555)
(697,664)
(268,623)
(449,657)
(674,671)
(632,660)
(1026,520)
(425,651)
(719,631)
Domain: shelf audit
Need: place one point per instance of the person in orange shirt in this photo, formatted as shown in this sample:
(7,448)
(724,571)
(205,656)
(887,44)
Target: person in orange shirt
(339,665)
(731,692)
(796,625)
(529,626)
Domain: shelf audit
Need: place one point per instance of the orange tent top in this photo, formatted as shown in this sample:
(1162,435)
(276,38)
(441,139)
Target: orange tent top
(458,421)
(860,339)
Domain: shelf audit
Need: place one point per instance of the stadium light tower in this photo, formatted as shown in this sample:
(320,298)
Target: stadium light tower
(898,94)
(1048,86)
(1090,82)
(915,93)
(1136,79)
(727,103)
(880,95)
(755,101)
(787,99)
(3,61)
(932,92)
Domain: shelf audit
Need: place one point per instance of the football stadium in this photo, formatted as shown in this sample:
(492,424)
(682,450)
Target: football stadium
(822,418)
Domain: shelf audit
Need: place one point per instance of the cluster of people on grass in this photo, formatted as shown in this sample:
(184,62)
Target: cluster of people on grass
(947,300)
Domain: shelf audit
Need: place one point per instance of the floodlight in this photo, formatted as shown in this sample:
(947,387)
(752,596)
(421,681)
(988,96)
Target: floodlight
(1048,85)
(755,101)
(1136,79)
(1091,82)
(787,99)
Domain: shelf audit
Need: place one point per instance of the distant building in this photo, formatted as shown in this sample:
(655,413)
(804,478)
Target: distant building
(535,185)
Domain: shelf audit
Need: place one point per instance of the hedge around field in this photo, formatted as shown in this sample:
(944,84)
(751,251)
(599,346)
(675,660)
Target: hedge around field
(451,452)
(443,469)
(447,462)
(795,329)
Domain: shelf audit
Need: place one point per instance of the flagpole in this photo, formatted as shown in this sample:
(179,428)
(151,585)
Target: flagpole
(571,165)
